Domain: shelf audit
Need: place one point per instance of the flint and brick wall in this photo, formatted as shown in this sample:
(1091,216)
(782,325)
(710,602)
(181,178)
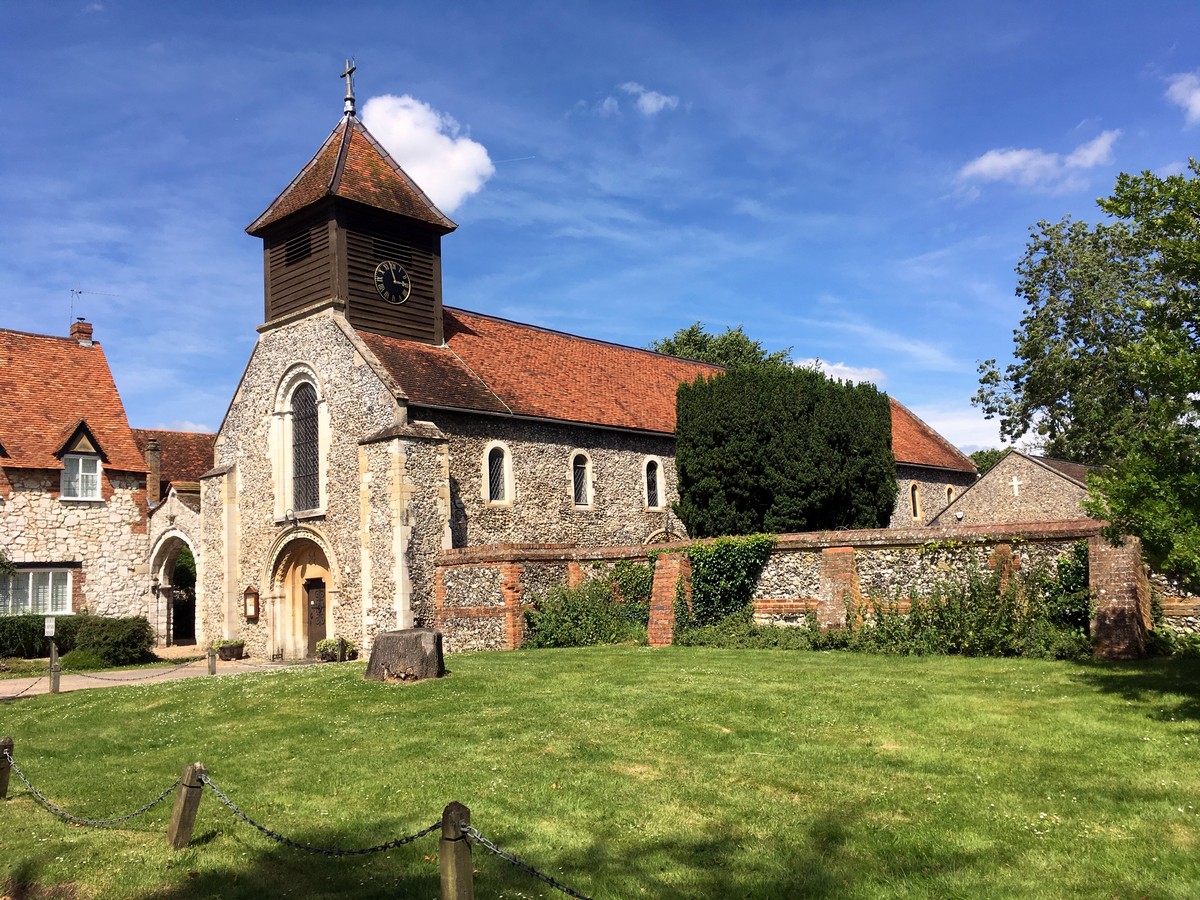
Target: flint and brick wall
(819,573)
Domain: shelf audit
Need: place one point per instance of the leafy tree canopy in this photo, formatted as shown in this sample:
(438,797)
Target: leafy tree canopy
(779,449)
(985,459)
(1107,368)
(732,348)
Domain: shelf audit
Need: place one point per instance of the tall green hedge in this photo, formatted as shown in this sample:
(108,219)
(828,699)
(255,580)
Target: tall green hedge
(765,450)
(24,637)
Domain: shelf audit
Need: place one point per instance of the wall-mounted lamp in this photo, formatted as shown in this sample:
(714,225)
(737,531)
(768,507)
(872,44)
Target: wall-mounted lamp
(250,600)
(290,517)
(154,588)
(959,515)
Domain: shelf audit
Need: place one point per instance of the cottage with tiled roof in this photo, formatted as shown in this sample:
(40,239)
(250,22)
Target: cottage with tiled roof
(1022,487)
(72,480)
(375,427)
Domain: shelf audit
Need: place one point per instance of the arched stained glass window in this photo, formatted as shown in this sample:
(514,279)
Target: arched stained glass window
(496,475)
(306,480)
(653,499)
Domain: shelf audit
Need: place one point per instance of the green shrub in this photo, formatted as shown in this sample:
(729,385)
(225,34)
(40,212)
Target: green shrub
(24,636)
(118,641)
(724,575)
(583,616)
(82,660)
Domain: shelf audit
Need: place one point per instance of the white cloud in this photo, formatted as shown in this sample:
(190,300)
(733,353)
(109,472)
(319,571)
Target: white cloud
(844,372)
(183,425)
(1184,92)
(93,8)
(649,102)
(429,145)
(1038,168)
(963,426)
(608,107)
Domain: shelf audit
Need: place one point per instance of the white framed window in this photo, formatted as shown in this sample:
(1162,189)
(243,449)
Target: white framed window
(581,479)
(949,494)
(80,477)
(652,483)
(914,498)
(498,488)
(43,592)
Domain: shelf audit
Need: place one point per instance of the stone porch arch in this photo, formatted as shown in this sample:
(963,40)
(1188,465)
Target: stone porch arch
(175,619)
(303,590)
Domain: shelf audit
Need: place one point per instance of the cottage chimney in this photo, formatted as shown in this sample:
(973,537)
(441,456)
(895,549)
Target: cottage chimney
(153,473)
(82,331)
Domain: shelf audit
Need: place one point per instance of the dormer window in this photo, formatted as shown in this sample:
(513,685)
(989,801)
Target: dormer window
(80,477)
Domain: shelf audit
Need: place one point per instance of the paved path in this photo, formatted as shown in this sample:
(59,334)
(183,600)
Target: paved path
(31,686)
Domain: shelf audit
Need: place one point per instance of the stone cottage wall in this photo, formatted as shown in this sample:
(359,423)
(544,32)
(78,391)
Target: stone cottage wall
(106,538)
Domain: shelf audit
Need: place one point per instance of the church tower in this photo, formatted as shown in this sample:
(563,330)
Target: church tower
(355,232)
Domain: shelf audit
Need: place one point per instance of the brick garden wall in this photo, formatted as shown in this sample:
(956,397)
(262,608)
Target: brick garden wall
(480,592)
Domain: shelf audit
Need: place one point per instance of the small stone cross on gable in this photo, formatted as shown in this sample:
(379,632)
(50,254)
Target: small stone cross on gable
(1016,486)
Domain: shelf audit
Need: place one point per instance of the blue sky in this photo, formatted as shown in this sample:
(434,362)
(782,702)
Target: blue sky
(853,180)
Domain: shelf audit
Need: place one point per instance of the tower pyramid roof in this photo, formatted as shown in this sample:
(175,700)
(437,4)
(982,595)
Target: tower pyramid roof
(352,165)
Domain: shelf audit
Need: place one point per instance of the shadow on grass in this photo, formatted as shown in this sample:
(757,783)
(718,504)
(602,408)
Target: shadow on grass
(818,860)
(1171,684)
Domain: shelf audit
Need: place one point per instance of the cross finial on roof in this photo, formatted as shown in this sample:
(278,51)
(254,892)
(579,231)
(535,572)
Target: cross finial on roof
(349,76)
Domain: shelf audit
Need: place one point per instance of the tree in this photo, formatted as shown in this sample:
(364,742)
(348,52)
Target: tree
(732,348)
(782,449)
(1107,368)
(985,459)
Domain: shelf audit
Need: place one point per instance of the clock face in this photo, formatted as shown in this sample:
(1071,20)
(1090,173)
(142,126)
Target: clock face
(392,282)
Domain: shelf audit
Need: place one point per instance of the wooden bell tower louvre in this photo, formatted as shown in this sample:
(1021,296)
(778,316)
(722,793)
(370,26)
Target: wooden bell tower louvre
(355,232)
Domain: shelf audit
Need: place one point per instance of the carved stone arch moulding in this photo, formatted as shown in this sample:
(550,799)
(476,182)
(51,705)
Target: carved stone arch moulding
(283,551)
(296,375)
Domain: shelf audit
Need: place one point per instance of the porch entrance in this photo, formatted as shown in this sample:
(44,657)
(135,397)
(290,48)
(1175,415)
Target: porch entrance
(302,573)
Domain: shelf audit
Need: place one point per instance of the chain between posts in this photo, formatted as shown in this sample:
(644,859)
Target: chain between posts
(63,814)
(474,834)
(312,848)
(138,677)
(27,688)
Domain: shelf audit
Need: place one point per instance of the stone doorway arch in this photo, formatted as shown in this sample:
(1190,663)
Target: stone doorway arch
(173,611)
(303,589)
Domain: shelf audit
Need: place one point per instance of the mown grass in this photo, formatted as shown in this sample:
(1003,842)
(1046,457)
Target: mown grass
(625,772)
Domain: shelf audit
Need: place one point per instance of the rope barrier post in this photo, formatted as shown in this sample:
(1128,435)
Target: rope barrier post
(212,660)
(187,802)
(454,854)
(6,751)
(55,668)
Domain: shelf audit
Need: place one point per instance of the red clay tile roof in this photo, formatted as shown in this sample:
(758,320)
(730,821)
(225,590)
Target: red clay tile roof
(48,387)
(185,455)
(494,365)
(1076,472)
(352,165)
(915,443)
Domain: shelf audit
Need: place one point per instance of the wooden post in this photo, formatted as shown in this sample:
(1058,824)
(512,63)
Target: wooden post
(55,668)
(6,743)
(454,854)
(212,660)
(183,816)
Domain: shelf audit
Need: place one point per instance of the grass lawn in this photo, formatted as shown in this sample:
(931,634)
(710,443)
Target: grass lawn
(625,772)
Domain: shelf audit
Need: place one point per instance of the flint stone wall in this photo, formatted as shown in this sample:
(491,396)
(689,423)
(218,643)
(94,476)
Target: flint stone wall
(931,488)
(1041,495)
(819,572)
(543,507)
(106,537)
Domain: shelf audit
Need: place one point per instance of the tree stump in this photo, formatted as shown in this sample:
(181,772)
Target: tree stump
(410,654)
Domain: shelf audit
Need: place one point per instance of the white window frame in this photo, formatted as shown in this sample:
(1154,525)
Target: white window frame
(588,494)
(662,487)
(485,471)
(19,592)
(71,483)
(914,499)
